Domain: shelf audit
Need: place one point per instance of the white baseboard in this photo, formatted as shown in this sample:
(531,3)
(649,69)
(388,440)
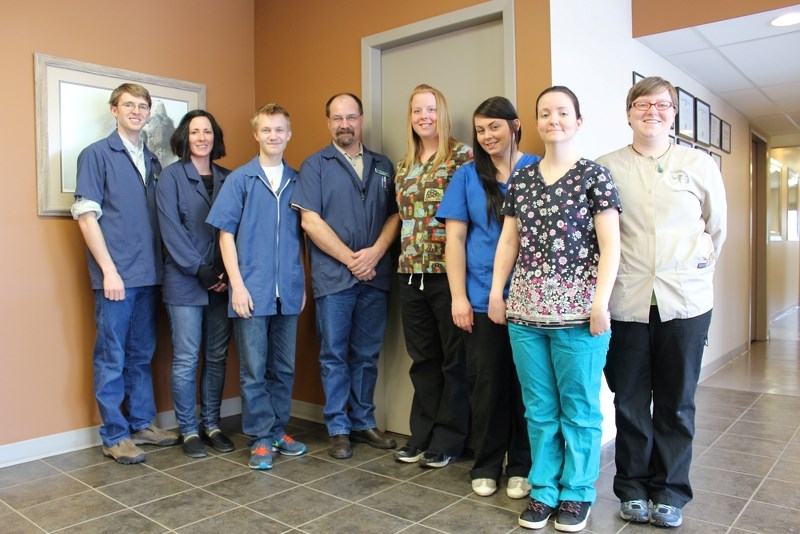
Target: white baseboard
(83,438)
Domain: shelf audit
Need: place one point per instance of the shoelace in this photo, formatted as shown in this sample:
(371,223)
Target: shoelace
(570,507)
(261,450)
(536,506)
(286,439)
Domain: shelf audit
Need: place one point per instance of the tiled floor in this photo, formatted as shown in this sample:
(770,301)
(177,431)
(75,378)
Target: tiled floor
(746,475)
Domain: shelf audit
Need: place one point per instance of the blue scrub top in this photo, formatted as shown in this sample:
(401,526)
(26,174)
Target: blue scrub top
(108,176)
(465,200)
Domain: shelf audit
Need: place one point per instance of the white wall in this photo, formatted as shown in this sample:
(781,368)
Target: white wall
(782,267)
(594,54)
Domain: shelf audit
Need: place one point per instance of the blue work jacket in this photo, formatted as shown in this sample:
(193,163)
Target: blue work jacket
(268,237)
(108,176)
(183,206)
(355,209)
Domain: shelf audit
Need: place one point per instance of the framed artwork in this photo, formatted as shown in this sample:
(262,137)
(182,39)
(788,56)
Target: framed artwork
(685,117)
(72,111)
(637,77)
(672,139)
(715,131)
(725,137)
(683,142)
(701,149)
(702,122)
(717,159)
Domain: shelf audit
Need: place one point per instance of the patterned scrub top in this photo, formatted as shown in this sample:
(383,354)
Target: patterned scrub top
(419,191)
(556,270)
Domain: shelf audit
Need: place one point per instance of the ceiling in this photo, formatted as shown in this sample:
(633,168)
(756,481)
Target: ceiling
(753,66)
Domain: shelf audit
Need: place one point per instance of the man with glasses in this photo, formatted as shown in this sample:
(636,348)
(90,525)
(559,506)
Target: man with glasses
(345,195)
(116,212)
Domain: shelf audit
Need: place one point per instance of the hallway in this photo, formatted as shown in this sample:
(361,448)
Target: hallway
(746,475)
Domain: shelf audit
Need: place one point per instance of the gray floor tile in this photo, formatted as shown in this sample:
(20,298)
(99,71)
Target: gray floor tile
(387,466)
(760,517)
(762,430)
(750,445)
(721,410)
(449,479)
(298,506)
(690,526)
(144,489)
(109,473)
(71,510)
(740,462)
(77,459)
(777,416)
(605,486)
(706,437)
(501,499)
(714,507)
(786,470)
(362,454)
(26,472)
(357,519)
(183,508)
(14,523)
(780,493)
(250,487)
(166,457)
(238,521)
(124,521)
(725,482)
(304,469)
(726,397)
(207,471)
(711,422)
(41,490)
(353,484)
(468,516)
(792,453)
(410,501)
(785,403)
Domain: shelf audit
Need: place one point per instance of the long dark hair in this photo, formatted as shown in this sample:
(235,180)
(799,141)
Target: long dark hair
(496,107)
(179,142)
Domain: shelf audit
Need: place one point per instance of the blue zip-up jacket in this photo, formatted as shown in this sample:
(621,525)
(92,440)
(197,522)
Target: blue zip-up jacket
(268,237)
(108,176)
(183,206)
(355,209)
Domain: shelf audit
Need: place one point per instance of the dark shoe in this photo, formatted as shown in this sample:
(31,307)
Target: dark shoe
(218,441)
(288,446)
(408,455)
(635,511)
(260,455)
(153,435)
(535,515)
(435,460)
(339,447)
(572,516)
(665,515)
(373,437)
(193,447)
(125,452)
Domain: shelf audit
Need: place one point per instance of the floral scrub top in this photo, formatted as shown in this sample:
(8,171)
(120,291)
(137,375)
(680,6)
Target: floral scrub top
(419,191)
(556,270)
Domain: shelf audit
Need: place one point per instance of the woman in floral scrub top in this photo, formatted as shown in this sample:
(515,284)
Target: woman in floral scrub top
(561,236)
(440,410)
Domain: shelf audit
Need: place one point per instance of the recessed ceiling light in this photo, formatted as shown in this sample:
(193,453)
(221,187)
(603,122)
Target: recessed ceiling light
(788,19)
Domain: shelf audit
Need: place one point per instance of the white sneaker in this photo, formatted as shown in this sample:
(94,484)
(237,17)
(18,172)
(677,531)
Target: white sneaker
(484,486)
(518,488)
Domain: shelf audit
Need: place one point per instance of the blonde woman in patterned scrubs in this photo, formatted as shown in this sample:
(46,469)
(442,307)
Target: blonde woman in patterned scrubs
(440,409)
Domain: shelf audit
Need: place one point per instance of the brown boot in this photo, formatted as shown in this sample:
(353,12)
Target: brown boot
(339,447)
(153,435)
(125,452)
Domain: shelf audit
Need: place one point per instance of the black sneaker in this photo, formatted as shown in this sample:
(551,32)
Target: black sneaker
(535,515)
(193,447)
(572,516)
(435,459)
(408,455)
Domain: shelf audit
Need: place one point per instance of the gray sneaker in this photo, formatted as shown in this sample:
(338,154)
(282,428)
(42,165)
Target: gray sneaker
(636,511)
(153,435)
(125,452)
(665,515)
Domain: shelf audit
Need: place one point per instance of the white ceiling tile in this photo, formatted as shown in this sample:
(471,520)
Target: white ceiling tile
(784,92)
(747,28)
(712,70)
(675,42)
(750,102)
(770,61)
(776,125)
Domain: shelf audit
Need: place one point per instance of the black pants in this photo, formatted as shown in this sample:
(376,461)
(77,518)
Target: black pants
(658,362)
(440,409)
(498,415)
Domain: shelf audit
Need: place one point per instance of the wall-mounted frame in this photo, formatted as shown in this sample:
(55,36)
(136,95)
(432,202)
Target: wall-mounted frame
(685,118)
(702,149)
(684,142)
(72,112)
(717,159)
(672,139)
(637,77)
(702,122)
(725,137)
(715,131)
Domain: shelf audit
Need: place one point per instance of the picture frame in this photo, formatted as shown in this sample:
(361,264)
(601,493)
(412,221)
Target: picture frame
(701,149)
(715,131)
(717,159)
(685,118)
(72,111)
(637,77)
(725,137)
(683,142)
(702,122)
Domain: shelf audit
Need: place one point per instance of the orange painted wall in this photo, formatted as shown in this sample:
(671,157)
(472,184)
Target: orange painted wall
(308,50)
(655,17)
(47,327)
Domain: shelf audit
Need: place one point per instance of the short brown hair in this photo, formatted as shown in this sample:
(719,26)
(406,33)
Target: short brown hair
(650,86)
(270,109)
(132,89)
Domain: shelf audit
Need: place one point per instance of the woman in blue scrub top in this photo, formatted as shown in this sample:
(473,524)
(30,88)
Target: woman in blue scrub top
(195,289)
(471,209)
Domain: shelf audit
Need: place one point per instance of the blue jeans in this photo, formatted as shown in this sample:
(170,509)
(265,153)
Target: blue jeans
(350,326)
(126,342)
(560,371)
(266,346)
(192,326)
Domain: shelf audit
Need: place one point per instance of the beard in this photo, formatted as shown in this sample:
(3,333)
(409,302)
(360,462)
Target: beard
(345,137)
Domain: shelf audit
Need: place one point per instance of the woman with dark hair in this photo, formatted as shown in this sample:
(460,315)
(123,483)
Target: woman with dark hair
(439,418)
(194,287)
(561,238)
(471,209)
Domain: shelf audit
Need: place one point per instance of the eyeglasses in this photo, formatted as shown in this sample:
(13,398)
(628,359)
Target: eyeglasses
(130,106)
(663,105)
(338,119)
